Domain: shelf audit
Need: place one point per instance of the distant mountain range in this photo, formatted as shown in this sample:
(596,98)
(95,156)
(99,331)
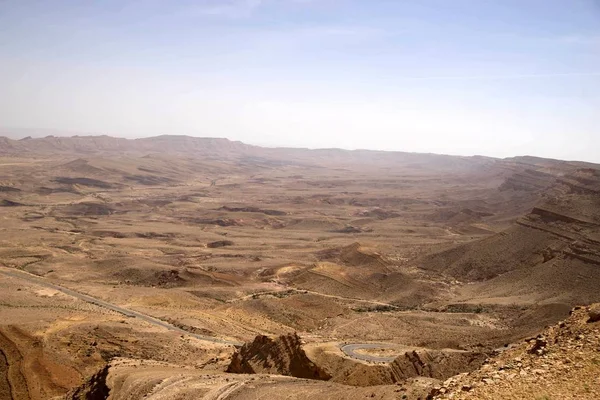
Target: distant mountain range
(220,148)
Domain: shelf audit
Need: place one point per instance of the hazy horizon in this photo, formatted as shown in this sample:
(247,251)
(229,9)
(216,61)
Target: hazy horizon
(22,133)
(497,79)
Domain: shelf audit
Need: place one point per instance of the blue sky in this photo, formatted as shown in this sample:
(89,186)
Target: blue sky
(498,78)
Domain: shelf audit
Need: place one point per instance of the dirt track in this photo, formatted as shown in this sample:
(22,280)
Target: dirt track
(304,291)
(348,349)
(102,303)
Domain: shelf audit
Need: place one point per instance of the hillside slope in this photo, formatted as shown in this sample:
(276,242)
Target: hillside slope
(561,363)
(552,255)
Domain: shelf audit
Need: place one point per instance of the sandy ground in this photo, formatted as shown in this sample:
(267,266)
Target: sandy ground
(343,249)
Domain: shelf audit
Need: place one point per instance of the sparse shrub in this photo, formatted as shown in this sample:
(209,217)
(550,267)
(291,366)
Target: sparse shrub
(219,243)
(375,308)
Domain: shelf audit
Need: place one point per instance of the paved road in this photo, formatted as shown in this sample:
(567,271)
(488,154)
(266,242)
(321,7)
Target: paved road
(350,351)
(101,303)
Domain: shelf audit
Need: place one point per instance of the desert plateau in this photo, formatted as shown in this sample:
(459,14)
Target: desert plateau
(175,267)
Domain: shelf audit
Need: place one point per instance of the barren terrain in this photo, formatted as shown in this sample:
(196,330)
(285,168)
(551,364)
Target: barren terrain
(391,272)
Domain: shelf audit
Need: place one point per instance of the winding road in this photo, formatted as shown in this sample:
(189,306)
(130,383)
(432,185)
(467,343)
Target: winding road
(101,303)
(348,349)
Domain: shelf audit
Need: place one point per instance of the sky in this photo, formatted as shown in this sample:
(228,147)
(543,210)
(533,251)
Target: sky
(498,78)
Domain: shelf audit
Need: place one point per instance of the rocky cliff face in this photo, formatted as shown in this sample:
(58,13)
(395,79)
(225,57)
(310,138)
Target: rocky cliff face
(543,254)
(92,389)
(283,356)
(435,364)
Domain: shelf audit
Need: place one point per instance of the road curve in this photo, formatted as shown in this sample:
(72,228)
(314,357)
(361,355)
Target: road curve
(101,303)
(350,351)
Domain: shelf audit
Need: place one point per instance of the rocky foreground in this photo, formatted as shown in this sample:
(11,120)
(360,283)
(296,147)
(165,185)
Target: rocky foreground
(286,355)
(561,363)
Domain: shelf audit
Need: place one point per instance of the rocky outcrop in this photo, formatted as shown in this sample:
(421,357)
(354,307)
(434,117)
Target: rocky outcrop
(94,388)
(560,363)
(354,255)
(436,364)
(594,314)
(283,355)
(528,180)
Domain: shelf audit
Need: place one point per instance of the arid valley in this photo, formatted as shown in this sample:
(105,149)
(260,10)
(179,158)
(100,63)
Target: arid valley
(175,267)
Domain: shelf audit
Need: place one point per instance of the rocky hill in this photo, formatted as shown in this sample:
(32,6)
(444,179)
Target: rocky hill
(435,364)
(563,362)
(551,255)
(283,356)
(286,355)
